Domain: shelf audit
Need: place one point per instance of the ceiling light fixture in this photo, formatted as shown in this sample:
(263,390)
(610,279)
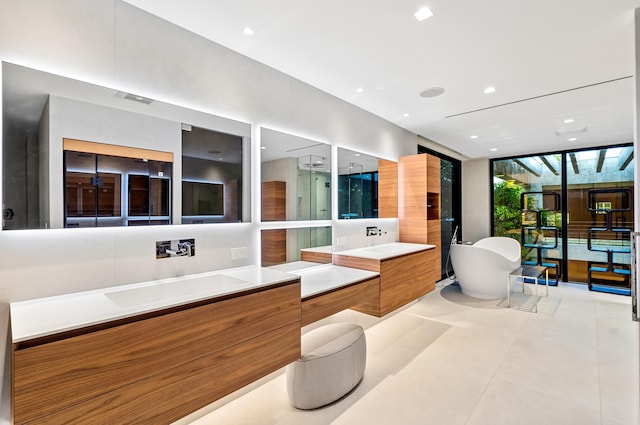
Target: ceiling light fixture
(263,147)
(569,120)
(432,92)
(494,149)
(489,90)
(423,14)
(573,139)
(473,137)
(406,115)
(359,90)
(248,31)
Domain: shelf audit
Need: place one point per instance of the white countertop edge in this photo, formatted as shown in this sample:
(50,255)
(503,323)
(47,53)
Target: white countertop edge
(385,251)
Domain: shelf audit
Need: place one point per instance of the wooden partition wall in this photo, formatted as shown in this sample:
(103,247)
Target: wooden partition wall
(419,201)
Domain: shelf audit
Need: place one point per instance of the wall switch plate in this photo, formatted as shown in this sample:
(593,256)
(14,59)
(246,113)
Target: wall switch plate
(239,253)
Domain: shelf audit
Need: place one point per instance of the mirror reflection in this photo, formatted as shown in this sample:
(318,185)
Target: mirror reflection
(296,177)
(110,190)
(357,185)
(211,176)
(308,244)
(41,110)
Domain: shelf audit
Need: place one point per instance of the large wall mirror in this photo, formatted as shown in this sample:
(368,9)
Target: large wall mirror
(296,177)
(309,244)
(41,110)
(357,185)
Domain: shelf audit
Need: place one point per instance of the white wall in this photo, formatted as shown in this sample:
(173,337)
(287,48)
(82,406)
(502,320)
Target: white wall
(113,44)
(476,199)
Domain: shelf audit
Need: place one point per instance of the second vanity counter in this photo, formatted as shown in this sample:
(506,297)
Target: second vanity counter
(327,289)
(407,272)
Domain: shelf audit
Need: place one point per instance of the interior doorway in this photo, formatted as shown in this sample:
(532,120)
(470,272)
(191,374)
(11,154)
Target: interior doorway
(450,205)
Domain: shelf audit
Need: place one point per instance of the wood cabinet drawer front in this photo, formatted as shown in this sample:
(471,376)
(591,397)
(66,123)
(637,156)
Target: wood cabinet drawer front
(357,262)
(316,308)
(402,280)
(170,395)
(56,375)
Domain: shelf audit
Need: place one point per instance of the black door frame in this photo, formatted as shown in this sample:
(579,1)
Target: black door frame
(456,201)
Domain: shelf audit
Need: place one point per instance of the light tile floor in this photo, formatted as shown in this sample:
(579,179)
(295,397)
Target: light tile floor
(448,359)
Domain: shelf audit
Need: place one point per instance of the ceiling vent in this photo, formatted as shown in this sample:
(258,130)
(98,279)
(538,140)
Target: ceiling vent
(134,97)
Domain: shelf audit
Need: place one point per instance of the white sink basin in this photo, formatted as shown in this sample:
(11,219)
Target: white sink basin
(163,292)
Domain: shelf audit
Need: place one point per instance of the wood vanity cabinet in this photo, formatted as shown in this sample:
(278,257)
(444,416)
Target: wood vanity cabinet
(157,367)
(403,279)
(419,202)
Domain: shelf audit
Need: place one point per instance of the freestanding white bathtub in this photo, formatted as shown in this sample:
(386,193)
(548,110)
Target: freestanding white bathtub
(481,269)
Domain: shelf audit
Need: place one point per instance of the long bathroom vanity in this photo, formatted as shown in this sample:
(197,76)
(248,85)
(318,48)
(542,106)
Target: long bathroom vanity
(151,352)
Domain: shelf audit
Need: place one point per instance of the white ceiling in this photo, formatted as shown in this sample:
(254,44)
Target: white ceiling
(549,60)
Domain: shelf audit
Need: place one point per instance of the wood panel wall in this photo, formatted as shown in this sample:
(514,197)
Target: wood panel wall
(387,189)
(274,246)
(274,201)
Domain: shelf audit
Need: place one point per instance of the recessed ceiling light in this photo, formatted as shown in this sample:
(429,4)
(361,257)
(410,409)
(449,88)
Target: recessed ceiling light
(432,92)
(263,147)
(573,139)
(489,90)
(494,149)
(423,13)
(359,90)
(357,154)
(247,31)
(473,137)
(569,120)
(405,115)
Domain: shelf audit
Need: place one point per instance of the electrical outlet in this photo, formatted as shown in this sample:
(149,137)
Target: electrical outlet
(239,253)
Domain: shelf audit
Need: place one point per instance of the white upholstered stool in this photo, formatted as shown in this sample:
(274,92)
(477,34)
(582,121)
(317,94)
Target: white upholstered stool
(332,364)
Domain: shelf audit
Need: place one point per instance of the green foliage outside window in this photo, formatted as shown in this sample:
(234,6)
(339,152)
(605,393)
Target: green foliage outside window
(507,215)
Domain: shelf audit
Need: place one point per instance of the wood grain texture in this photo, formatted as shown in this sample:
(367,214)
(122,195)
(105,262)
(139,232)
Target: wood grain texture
(356,262)
(412,187)
(316,257)
(324,305)
(402,279)
(414,230)
(115,150)
(387,189)
(61,374)
(433,174)
(274,246)
(274,201)
(170,395)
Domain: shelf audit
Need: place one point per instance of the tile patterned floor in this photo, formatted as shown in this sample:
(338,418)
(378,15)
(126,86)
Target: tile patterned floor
(448,359)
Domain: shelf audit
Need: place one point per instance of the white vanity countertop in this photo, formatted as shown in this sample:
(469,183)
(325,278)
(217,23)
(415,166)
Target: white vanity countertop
(317,278)
(46,316)
(385,251)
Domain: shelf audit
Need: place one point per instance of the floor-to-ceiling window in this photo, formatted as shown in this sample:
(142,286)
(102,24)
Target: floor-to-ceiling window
(571,211)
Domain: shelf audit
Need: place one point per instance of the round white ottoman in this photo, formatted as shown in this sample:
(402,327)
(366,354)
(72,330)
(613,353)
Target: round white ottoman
(332,364)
